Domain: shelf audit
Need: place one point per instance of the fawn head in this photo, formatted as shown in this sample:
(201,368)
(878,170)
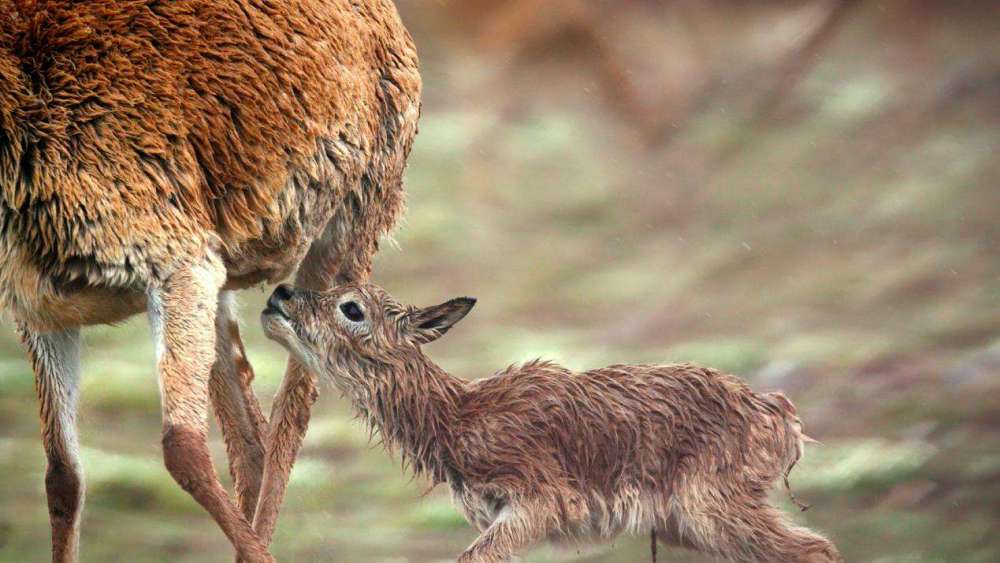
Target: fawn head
(354,324)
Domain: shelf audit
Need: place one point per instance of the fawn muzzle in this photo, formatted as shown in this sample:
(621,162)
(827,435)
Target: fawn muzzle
(275,303)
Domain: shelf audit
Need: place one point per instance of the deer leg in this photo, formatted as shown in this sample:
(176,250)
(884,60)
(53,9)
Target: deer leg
(55,357)
(290,414)
(182,313)
(513,530)
(333,258)
(236,407)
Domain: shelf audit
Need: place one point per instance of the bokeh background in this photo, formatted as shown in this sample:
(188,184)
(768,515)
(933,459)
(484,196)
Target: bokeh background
(805,193)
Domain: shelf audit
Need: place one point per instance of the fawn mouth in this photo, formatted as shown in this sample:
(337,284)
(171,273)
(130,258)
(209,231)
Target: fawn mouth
(276,323)
(278,326)
(272,311)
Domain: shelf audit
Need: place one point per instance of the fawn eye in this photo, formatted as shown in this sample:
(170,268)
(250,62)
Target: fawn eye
(351,310)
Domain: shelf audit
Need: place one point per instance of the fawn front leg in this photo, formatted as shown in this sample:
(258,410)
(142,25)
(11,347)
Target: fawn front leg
(182,313)
(236,407)
(55,357)
(514,530)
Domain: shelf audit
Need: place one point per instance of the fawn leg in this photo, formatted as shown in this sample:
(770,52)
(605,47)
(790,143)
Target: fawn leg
(55,357)
(743,528)
(182,313)
(335,257)
(772,538)
(513,530)
(236,407)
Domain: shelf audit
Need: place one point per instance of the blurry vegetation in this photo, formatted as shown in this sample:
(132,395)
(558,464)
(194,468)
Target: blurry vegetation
(804,193)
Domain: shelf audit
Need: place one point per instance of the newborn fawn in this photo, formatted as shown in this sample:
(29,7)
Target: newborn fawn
(538,452)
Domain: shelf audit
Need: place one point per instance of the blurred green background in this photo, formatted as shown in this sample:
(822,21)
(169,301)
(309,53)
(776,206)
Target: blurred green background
(803,193)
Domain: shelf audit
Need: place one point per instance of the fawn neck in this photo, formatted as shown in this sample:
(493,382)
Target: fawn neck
(411,403)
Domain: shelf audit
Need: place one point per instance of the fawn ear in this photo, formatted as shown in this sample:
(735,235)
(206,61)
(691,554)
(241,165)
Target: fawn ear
(429,323)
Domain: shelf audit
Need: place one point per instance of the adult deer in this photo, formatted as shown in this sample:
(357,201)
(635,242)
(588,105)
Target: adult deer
(157,156)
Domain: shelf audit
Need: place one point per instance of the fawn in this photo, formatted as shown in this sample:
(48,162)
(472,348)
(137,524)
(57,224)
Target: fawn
(156,156)
(537,452)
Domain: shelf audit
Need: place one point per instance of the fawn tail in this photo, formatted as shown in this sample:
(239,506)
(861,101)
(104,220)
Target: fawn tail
(803,439)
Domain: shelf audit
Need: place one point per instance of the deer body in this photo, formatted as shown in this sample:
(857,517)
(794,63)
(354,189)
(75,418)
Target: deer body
(155,156)
(135,136)
(538,451)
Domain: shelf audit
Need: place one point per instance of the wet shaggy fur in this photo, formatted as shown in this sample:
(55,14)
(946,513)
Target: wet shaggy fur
(155,155)
(537,451)
(135,132)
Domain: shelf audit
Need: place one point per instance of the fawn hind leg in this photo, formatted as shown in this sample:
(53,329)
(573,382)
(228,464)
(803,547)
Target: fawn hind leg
(236,407)
(515,529)
(55,357)
(739,527)
(182,312)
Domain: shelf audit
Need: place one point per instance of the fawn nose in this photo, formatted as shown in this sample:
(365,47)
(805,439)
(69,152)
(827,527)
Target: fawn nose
(283,292)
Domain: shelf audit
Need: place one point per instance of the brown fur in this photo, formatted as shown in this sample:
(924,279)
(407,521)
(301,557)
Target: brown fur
(538,451)
(153,154)
(134,133)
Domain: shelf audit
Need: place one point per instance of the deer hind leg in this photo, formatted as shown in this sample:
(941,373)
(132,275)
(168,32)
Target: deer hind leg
(182,314)
(55,357)
(342,254)
(739,527)
(236,407)
(515,529)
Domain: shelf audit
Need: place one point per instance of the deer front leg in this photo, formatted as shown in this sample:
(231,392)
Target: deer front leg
(289,421)
(182,313)
(515,529)
(236,407)
(333,258)
(55,357)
